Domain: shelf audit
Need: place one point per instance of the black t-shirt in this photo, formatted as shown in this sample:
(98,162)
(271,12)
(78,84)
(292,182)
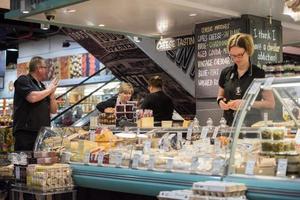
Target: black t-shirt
(235,88)
(160,104)
(111,102)
(29,116)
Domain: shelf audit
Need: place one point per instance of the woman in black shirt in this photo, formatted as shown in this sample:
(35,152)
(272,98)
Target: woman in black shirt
(235,80)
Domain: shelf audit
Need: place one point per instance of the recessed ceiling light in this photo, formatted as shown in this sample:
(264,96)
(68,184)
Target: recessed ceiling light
(192,14)
(25,11)
(101,25)
(70,10)
(12,49)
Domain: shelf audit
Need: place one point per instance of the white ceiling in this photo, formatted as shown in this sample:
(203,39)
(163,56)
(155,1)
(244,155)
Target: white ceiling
(169,17)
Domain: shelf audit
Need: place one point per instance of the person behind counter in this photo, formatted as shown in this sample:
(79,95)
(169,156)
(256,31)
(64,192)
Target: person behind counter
(124,95)
(235,80)
(157,101)
(33,103)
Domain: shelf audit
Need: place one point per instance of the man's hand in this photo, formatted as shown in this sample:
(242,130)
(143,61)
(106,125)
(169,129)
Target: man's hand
(52,86)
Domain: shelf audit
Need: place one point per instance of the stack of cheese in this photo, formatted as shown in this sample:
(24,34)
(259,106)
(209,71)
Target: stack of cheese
(49,177)
(43,157)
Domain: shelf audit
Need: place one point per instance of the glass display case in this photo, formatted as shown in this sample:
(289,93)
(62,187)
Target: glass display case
(274,149)
(197,150)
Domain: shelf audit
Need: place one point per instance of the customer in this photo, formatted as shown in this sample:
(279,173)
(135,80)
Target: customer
(33,103)
(157,101)
(235,80)
(124,95)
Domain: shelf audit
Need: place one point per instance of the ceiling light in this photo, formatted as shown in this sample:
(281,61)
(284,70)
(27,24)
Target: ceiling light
(68,10)
(45,26)
(12,49)
(137,39)
(101,25)
(25,6)
(192,14)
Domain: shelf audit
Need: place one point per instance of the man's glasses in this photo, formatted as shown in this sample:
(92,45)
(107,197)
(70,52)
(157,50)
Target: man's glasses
(237,56)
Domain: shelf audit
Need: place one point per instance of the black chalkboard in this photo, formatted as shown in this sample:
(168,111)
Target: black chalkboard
(211,53)
(267,38)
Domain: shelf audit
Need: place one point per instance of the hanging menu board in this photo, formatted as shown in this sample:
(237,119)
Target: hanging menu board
(211,53)
(267,37)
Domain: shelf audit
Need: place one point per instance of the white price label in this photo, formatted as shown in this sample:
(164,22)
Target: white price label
(135,161)
(217,145)
(151,162)
(92,135)
(17,173)
(189,134)
(297,137)
(216,131)
(86,158)
(217,166)
(179,136)
(119,157)
(204,132)
(254,88)
(281,167)
(170,162)
(147,146)
(268,83)
(194,164)
(100,158)
(250,167)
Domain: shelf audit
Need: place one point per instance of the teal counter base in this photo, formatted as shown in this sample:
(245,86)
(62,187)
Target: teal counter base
(134,181)
(268,188)
(150,183)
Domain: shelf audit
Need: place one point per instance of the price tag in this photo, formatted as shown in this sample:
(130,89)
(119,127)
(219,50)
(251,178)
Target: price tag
(151,162)
(86,158)
(297,137)
(92,135)
(216,131)
(17,173)
(189,134)
(135,161)
(194,164)
(100,158)
(266,117)
(217,166)
(254,88)
(170,162)
(281,167)
(119,157)
(179,136)
(250,167)
(147,146)
(204,132)
(218,149)
(268,83)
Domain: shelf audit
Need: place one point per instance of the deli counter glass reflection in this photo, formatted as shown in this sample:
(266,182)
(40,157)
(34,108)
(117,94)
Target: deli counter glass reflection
(274,149)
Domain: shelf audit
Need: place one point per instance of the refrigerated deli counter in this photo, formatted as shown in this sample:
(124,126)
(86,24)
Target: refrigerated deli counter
(264,156)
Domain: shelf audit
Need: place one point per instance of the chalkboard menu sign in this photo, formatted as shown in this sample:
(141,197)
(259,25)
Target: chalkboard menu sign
(267,39)
(211,53)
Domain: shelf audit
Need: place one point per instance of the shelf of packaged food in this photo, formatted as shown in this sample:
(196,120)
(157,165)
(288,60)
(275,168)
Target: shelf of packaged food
(128,180)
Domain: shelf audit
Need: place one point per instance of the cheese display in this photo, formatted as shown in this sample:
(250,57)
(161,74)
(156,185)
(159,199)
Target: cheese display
(49,177)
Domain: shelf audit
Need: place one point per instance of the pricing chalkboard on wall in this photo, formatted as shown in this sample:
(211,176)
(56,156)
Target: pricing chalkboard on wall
(211,53)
